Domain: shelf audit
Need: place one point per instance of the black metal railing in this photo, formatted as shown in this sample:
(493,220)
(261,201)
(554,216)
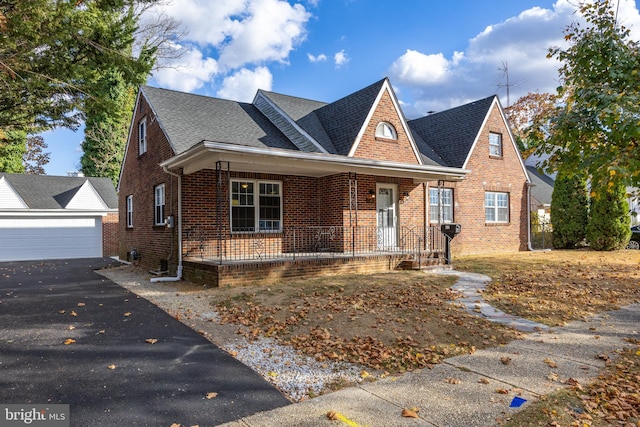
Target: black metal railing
(313,241)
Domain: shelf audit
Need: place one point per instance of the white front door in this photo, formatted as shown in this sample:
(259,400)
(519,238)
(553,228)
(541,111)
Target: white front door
(386,206)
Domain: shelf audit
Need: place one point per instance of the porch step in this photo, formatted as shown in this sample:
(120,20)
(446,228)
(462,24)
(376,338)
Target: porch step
(426,263)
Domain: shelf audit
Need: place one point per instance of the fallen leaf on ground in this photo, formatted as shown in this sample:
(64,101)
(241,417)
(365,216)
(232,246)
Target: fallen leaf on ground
(502,391)
(332,415)
(81,304)
(483,381)
(69,341)
(505,360)
(127,314)
(453,380)
(551,363)
(73,313)
(112,367)
(408,413)
(212,395)
(151,340)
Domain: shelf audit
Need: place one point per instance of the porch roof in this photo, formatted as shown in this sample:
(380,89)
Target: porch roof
(289,162)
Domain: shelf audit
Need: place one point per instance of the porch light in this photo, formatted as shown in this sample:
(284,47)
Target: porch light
(372,195)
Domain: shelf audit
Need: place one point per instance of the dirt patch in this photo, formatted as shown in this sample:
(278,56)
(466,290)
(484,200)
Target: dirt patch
(556,287)
(392,322)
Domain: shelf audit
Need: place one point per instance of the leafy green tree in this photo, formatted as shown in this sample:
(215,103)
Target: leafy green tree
(596,129)
(106,127)
(12,146)
(609,221)
(569,210)
(52,54)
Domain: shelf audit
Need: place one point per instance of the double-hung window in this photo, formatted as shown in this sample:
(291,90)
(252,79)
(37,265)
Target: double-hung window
(256,205)
(130,211)
(441,205)
(159,204)
(496,207)
(495,144)
(142,136)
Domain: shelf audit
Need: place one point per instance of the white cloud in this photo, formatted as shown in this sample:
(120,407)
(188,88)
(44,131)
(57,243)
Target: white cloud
(340,58)
(243,85)
(188,73)
(207,22)
(431,82)
(319,58)
(415,68)
(269,32)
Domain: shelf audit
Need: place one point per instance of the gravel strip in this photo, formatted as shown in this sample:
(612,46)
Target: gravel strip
(298,376)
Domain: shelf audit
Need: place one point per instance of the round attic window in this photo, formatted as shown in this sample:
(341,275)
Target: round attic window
(386,130)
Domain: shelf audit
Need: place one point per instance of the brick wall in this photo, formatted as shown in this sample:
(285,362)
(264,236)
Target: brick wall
(141,173)
(503,174)
(110,235)
(270,272)
(372,147)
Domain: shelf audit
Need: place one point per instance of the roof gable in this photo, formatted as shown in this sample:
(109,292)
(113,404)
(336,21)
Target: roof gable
(85,197)
(63,192)
(402,147)
(451,134)
(9,198)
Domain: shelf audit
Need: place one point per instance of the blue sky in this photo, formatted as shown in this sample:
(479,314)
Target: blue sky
(437,54)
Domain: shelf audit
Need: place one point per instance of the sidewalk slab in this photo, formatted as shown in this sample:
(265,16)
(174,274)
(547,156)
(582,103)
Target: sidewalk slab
(356,405)
(525,367)
(449,396)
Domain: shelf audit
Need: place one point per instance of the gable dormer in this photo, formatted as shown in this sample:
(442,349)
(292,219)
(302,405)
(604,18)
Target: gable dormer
(84,197)
(9,198)
(384,134)
(296,134)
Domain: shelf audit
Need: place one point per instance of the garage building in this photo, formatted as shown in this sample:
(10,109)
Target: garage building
(57,217)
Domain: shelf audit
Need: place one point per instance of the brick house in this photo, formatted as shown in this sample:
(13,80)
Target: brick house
(223,192)
(492,202)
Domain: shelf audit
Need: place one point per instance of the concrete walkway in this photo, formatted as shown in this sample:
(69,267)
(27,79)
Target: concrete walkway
(476,389)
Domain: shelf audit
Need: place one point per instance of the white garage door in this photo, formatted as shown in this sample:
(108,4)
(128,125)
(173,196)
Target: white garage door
(25,239)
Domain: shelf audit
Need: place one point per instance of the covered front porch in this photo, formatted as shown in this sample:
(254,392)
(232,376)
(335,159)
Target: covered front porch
(265,257)
(258,217)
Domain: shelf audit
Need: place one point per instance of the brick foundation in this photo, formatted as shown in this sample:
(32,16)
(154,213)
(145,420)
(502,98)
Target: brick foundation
(268,272)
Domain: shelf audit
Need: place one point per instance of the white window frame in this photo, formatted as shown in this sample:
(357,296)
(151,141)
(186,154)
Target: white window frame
(159,203)
(259,224)
(496,207)
(386,130)
(142,136)
(446,209)
(130,211)
(495,144)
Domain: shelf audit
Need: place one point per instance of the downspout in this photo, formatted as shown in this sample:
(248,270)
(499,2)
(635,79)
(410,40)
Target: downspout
(529,217)
(179,272)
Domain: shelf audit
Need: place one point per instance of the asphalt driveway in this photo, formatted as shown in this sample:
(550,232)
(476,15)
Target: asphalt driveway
(70,336)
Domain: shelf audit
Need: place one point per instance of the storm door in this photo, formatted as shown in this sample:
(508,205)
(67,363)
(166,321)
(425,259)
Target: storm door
(387,216)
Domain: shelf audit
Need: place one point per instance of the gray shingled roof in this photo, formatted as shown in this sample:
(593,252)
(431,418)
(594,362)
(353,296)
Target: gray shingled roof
(54,192)
(542,188)
(451,133)
(303,112)
(343,119)
(189,119)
